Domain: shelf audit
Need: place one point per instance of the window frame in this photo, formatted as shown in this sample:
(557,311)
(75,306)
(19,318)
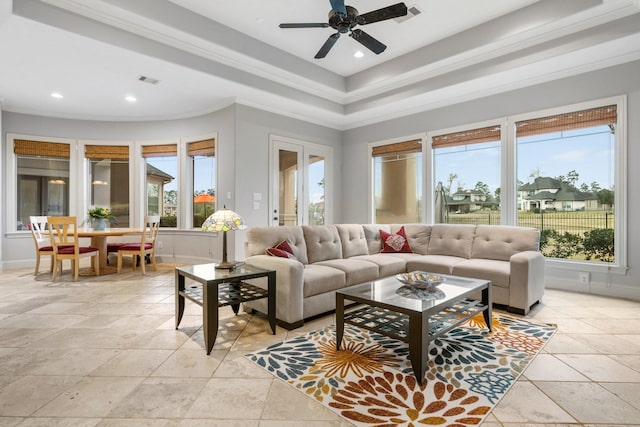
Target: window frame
(187,181)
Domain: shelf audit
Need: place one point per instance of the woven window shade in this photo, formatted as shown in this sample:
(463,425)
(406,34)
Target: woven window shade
(106,152)
(202,148)
(397,148)
(39,148)
(575,120)
(471,136)
(160,150)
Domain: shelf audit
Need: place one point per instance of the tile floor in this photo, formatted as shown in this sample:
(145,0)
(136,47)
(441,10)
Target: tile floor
(104,352)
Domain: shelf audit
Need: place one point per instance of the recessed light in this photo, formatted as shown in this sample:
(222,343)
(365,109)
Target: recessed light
(358,54)
(130,98)
(56,95)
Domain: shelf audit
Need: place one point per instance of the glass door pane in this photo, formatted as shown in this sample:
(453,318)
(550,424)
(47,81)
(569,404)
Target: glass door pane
(316,206)
(287,187)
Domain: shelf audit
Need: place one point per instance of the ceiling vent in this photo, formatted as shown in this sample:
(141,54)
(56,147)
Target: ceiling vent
(148,79)
(411,12)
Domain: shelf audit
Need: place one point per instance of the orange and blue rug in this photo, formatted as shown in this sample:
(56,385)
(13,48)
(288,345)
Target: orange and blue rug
(370,382)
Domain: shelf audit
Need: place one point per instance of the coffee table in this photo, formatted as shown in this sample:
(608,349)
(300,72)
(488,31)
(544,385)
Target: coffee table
(389,311)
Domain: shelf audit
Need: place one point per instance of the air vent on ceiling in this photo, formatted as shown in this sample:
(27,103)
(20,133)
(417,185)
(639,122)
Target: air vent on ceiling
(149,80)
(411,12)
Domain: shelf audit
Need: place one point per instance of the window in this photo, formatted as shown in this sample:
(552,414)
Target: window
(203,160)
(397,182)
(42,179)
(161,166)
(466,167)
(566,172)
(109,179)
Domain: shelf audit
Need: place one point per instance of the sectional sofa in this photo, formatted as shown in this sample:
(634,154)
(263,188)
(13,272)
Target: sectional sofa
(325,258)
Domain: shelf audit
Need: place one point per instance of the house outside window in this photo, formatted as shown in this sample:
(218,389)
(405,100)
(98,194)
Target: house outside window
(566,173)
(467,173)
(161,166)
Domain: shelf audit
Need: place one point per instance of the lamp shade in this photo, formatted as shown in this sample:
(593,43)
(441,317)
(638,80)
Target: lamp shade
(224,220)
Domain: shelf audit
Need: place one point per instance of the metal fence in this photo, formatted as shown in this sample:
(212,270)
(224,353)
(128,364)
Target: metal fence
(576,222)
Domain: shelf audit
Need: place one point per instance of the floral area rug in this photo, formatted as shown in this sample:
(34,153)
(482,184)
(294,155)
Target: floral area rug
(370,382)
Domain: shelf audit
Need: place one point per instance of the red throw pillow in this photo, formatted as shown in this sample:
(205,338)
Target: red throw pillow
(282,250)
(393,243)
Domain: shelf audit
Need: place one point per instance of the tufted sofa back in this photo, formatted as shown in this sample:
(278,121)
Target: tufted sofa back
(501,242)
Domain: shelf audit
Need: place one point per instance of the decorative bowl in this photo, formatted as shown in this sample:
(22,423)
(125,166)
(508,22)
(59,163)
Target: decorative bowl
(420,279)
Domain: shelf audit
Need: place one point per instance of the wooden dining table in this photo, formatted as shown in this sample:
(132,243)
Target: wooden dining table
(99,240)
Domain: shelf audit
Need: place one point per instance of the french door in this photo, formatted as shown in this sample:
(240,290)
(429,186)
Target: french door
(300,182)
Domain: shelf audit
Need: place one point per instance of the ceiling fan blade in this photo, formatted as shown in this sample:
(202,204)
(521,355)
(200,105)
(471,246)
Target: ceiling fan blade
(305,25)
(367,41)
(326,47)
(383,14)
(338,6)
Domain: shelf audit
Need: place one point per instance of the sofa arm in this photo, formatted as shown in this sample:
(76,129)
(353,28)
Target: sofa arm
(526,285)
(289,286)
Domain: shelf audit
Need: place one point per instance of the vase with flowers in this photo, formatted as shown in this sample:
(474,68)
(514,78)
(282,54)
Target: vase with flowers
(100,217)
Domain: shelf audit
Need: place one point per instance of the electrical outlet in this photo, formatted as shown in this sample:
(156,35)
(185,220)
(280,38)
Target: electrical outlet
(584,277)
(159,244)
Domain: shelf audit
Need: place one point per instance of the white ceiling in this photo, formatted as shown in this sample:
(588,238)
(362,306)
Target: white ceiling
(210,53)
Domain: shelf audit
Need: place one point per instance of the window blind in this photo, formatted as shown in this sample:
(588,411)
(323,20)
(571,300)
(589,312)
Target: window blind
(598,116)
(202,148)
(106,151)
(470,136)
(39,148)
(160,150)
(406,147)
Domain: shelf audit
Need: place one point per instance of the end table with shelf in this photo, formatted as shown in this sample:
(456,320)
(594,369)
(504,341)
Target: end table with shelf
(215,288)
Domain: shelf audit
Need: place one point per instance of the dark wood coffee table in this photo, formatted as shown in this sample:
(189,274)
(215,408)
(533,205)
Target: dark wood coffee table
(394,310)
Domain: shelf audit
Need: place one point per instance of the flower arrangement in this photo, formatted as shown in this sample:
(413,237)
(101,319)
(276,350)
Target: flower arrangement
(98,212)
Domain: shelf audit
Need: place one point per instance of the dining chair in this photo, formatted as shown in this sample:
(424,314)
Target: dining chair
(41,239)
(66,245)
(147,245)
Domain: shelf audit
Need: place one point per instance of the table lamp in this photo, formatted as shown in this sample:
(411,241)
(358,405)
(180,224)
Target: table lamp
(224,220)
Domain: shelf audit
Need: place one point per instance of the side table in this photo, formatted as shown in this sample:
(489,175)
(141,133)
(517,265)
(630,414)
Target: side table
(219,288)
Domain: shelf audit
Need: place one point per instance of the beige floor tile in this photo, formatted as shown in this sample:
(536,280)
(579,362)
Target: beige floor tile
(546,367)
(26,395)
(60,422)
(132,422)
(287,403)
(163,339)
(231,398)
(525,403)
(76,361)
(219,423)
(10,421)
(629,392)
(190,363)
(600,367)
(590,402)
(235,365)
(160,398)
(307,423)
(614,325)
(90,397)
(608,344)
(567,343)
(630,360)
(132,363)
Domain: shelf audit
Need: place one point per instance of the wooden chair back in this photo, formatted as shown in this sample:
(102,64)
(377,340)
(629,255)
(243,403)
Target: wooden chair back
(65,243)
(40,234)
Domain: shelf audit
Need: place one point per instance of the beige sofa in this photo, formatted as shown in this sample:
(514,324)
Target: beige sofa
(330,257)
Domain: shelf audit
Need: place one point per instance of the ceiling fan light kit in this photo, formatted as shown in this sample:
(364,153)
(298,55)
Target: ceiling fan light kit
(344,18)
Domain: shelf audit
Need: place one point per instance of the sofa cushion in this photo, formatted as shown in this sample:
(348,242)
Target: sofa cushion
(372,234)
(353,240)
(319,279)
(451,240)
(396,242)
(417,235)
(356,271)
(323,242)
(261,238)
(501,242)
(387,265)
(282,250)
(440,264)
(488,269)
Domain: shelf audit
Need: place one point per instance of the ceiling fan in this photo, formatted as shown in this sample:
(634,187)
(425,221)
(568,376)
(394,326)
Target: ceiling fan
(345,18)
